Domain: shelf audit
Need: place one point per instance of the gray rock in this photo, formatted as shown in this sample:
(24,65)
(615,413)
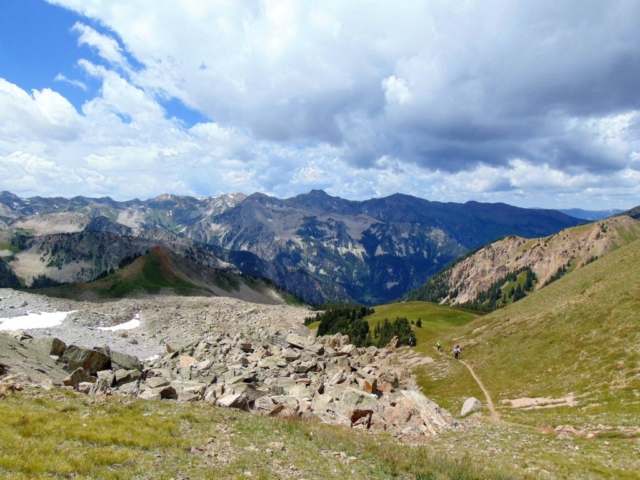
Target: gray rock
(91,360)
(150,394)
(131,389)
(85,387)
(78,376)
(124,361)
(123,377)
(233,401)
(107,376)
(189,386)
(470,406)
(157,382)
(48,345)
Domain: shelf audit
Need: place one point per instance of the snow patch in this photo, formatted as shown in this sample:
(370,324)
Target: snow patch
(130,325)
(34,320)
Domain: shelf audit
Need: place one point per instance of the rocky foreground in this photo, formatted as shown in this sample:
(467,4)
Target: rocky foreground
(229,353)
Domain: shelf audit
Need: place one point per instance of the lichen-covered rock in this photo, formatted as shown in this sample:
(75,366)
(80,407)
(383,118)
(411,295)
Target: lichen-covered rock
(91,360)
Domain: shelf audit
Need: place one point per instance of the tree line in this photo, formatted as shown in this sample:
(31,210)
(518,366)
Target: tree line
(349,319)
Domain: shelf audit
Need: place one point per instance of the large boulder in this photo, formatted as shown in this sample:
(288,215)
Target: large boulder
(470,406)
(233,401)
(91,360)
(434,419)
(125,362)
(48,345)
(161,393)
(78,376)
(123,376)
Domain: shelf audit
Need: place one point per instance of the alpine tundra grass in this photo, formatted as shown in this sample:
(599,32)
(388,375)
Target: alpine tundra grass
(58,433)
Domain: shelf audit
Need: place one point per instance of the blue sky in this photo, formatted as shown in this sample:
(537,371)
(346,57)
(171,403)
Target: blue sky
(529,103)
(36,45)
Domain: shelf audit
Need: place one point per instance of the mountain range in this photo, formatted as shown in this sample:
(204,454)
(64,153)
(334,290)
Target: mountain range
(486,279)
(316,246)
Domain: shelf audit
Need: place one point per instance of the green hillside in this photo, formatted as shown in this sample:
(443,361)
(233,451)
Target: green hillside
(580,336)
(437,320)
(149,273)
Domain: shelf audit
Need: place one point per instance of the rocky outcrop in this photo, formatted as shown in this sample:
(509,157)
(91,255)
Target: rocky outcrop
(91,360)
(267,366)
(325,379)
(571,248)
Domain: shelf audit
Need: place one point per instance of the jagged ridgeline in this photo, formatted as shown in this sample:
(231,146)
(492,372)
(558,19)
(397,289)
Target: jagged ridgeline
(506,290)
(318,247)
(505,271)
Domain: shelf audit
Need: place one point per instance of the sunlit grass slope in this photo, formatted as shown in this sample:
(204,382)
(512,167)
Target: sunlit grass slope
(58,434)
(438,321)
(579,335)
(150,273)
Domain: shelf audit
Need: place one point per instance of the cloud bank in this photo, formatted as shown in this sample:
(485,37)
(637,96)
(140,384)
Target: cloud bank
(530,103)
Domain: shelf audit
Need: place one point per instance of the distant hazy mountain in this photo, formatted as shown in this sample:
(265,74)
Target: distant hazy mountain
(591,215)
(317,246)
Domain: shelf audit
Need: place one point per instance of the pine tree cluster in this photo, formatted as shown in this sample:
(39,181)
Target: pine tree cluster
(382,334)
(347,320)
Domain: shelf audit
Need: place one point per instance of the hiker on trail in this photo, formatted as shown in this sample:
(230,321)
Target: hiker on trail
(456,351)
(411,341)
(438,344)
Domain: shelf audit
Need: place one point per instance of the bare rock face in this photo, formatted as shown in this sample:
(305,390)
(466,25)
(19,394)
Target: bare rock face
(545,256)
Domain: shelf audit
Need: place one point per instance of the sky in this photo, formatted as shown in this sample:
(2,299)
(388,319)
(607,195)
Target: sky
(534,104)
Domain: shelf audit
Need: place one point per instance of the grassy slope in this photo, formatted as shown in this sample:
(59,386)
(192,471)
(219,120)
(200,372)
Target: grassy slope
(149,273)
(579,335)
(62,434)
(437,320)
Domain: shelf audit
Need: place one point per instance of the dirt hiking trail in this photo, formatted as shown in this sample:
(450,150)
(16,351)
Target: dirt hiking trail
(412,359)
(495,416)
